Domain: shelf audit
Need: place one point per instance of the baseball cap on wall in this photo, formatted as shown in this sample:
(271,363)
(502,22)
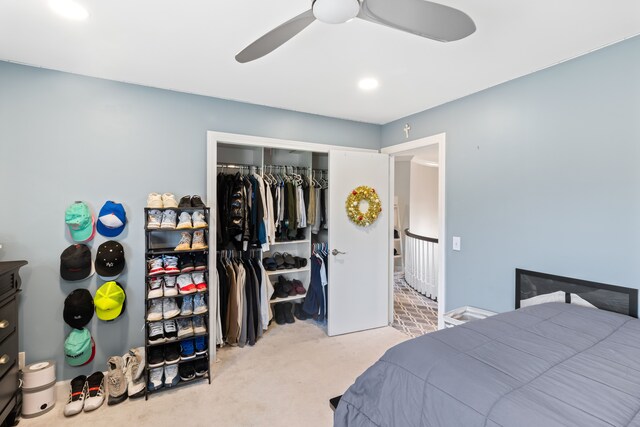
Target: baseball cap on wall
(79,347)
(110,301)
(80,221)
(75,263)
(110,260)
(111,219)
(78,308)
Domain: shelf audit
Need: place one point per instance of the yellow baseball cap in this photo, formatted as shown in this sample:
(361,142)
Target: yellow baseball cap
(110,301)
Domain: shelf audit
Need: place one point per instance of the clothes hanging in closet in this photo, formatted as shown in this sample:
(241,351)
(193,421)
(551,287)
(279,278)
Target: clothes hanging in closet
(315,302)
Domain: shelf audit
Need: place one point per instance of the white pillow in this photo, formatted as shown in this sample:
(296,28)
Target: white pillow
(577,300)
(541,299)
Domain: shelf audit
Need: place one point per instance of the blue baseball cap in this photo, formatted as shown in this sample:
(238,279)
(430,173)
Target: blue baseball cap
(111,219)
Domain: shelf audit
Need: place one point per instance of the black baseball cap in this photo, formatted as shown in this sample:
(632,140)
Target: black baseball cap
(110,260)
(78,308)
(75,263)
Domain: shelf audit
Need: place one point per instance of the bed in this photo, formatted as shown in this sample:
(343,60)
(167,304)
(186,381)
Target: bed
(574,361)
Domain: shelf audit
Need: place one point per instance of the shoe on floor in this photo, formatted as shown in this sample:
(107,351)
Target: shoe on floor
(77,395)
(171,377)
(185,328)
(185,242)
(185,263)
(200,262)
(169,308)
(154,219)
(156,333)
(154,313)
(187,350)
(154,200)
(170,330)
(198,240)
(170,264)
(198,280)
(199,304)
(171,353)
(196,202)
(155,379)
(155,266)
(187,371)
(279,313)
(201,367)
(95,392)
(133,371)
(117,381)
(155,287)
(201,346)
(300,313)
(169,219)
(169,200)
(156,357)
(185,284)
(169,289)
(185,202)
(199,220)
(288,313)
(184,221)
(198,325)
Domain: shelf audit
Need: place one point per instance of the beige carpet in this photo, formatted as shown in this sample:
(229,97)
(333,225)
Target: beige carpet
(286,379)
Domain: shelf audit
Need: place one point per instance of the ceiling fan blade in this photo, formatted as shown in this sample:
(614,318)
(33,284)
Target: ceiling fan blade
(423,18)
(276,37)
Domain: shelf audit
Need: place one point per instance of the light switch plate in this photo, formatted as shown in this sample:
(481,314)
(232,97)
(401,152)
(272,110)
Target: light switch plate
(456,243)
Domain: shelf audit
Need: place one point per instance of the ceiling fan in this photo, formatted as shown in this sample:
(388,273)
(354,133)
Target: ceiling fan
(420,17)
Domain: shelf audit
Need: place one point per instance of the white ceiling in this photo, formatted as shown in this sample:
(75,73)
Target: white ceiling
(190,47)
(425,155)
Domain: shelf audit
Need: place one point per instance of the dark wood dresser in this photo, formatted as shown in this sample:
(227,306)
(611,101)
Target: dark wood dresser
(9,376)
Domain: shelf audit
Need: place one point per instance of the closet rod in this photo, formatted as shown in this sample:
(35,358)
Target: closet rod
(236,166)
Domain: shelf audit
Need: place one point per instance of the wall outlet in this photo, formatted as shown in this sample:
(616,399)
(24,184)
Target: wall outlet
(21,360)
(456,243)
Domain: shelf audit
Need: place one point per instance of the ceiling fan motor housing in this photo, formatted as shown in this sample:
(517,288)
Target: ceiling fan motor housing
(335,11)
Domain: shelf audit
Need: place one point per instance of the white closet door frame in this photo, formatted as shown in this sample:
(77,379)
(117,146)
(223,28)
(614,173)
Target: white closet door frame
(215,138)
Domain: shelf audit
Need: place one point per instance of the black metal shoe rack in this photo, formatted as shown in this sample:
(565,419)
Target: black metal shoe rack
(162,241)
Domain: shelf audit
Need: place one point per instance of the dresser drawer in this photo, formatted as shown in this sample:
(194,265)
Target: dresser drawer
(8,317)
(8,353)
(8,389)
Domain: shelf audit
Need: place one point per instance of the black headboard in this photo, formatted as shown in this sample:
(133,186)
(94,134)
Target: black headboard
(606,297)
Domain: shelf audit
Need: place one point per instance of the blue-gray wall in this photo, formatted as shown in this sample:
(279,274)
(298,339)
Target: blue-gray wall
(542,173)
(65,137)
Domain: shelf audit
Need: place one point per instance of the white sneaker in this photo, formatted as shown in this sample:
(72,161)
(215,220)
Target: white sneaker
(154,200)
(170,330)
(155,287)
(171,264)
(185,242)
(77,393)
(198,279)
(132,372)
(185,328)
(155,310)
(156,333)
(169,200)
(95,392)
(171,375)
(186,309)
(184,221)
(170,308)
(198,240)
(198,325)
(199,304)
(155,379)
(185,284)
(154,219)
(170,289)
(199,220)
(168,220)
(155,266)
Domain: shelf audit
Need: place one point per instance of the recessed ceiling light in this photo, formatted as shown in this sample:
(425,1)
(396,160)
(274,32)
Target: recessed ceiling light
(368,83)
(69,9)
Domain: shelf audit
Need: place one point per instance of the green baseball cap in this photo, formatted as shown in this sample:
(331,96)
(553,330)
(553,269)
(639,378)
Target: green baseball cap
(79,347)
(80,222)
(109,301)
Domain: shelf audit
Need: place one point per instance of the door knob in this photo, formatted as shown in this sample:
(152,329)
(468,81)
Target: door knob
(335,252)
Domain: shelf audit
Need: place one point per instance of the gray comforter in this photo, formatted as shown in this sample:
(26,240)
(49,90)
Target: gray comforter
(542,366)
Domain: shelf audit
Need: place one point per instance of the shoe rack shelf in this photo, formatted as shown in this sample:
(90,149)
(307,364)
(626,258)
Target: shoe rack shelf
(291,298)
(154,250)
(290,242)
(288,271)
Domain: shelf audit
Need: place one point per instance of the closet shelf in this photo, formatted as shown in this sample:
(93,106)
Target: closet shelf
(182,383)
(291,298)
(288,271)
(289,242)
(178,340)
(170,251)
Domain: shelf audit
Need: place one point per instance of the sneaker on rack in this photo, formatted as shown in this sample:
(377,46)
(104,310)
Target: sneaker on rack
(201,367)
(200,262)
(155,287)
(169,218)
(187,350)
(154,313)
(185,284)
(199,304)
(155,379)
(170,308)
(185,328)
(169,200)
(186,309)
(156,357)
(170,330)
(77,394)
(117,381)
(196,202)
(187,371)
(198,325)
(199,220)
(156,333)
(171,264)
(171,353)
(185,202)
(201,346)
(154,219)
(185,262)
(135,387)
(95,391)
(169,289)
(155,266)
(171,377)
(198,279)
(154,200)
(185,242)
(184,221)
(198,240)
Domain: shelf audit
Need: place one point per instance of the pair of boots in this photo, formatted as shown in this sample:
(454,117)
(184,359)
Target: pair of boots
(283,313)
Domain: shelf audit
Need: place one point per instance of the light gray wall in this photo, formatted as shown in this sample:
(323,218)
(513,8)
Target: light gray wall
(542,173)
(424,200)
(402,190)
(65,137)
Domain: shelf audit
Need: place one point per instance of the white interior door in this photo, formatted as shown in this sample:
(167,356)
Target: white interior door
(359,277)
